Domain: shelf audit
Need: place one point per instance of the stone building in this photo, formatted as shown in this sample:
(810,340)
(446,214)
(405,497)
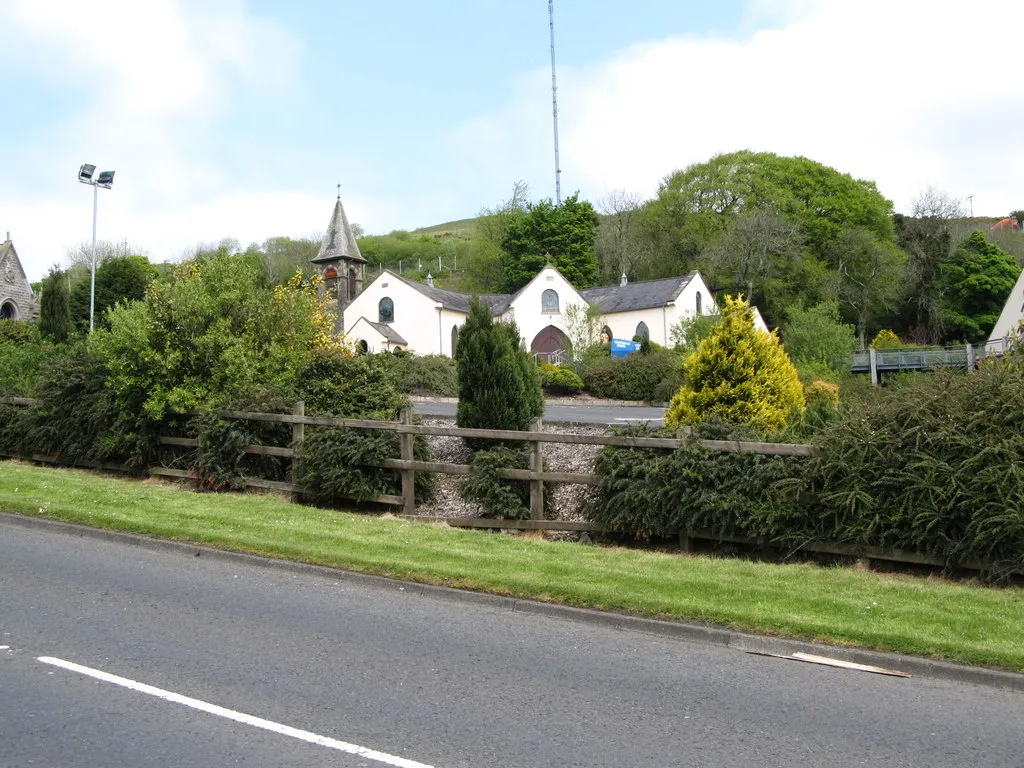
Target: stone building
(17,300)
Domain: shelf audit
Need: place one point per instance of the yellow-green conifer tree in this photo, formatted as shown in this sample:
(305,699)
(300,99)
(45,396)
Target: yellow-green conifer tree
(740,375)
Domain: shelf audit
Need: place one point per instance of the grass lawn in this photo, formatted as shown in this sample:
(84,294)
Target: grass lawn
(927,617)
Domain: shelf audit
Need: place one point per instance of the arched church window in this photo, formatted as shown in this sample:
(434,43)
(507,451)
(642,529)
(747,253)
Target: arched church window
(8,312)
(642,331)
(699,299)
(386,310)
(455,339)
(549,301)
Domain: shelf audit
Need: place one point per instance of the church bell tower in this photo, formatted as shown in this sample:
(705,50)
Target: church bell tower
(339,263)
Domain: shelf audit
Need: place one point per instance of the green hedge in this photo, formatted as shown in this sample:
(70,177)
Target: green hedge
(935,466)
(653,377)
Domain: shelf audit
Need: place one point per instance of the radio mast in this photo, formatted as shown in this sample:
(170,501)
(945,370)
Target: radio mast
(554,102)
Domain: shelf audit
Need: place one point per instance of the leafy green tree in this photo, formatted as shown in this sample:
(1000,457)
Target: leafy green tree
(740,375)
(118,278)
(928,239)
(868,271)
(497,387)
(689,332)
(565,233)
(217,332)
(1019,216)
(976,282)
(820,199)
(55,307)
(818,335)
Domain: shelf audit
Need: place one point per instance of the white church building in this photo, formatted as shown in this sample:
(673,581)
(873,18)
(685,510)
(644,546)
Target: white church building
(392,312)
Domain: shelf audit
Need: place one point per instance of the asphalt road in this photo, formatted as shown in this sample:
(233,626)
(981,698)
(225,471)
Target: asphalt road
(419,678)
(583,414)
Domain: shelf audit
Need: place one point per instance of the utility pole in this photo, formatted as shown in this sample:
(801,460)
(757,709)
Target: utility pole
(970,199)
(554,102)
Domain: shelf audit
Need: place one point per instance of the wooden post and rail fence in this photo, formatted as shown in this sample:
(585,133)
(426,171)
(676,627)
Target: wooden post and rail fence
(407,466)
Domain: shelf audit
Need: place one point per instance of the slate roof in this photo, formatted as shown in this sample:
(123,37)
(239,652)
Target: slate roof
(339,242)
(387,332)
(458,302)
(645,294)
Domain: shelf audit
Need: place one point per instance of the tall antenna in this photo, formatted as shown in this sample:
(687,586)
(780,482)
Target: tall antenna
(554,102)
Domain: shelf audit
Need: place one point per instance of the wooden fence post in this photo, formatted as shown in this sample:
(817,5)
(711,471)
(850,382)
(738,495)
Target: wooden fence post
(298,435)
(970,358)
(536,465)
(408,475)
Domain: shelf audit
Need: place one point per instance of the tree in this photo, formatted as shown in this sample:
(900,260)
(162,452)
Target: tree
(582,327)
(868,271)
(118,278)
(739,375)
(496,390)
(564,233)
(623,245)
(216,333)
(820,199)
(818,336)
(928,239)
(761,255)
(55,307)
(976,282)
(1019,216)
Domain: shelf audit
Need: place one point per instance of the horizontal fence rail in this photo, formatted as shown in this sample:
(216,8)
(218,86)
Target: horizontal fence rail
(408,466)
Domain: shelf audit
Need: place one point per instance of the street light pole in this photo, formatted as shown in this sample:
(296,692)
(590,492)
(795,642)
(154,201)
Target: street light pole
(105,180)
(92,283)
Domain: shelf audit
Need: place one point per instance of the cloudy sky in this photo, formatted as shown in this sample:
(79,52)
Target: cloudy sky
(237,118)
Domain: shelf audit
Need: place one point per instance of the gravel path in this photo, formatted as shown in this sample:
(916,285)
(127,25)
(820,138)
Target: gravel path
(561,457)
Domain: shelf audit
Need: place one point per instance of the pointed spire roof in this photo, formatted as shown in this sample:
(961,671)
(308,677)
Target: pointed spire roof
(339,243)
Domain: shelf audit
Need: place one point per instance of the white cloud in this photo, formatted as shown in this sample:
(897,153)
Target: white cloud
(908,93)
(150,82)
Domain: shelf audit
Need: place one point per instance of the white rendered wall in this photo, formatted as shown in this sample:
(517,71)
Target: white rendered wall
(416,316)
(526,308)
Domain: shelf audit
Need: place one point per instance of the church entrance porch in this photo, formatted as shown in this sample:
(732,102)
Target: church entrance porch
(550,345)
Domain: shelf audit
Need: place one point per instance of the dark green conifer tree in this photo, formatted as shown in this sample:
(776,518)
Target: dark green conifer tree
(55,307)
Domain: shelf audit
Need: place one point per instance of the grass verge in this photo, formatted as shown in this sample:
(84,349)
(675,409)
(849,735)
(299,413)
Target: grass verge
(957,622)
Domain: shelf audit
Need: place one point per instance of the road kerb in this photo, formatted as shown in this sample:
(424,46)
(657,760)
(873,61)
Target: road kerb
(688,631)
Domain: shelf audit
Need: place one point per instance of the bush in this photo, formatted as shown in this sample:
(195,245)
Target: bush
(739,375)
(636,377)
(334,464)
(335,383)
(562,381)
(662,493)
(499,497)
(934,466)
(427,375)
(499,386)
(886,339)
(75,418)
(819,336)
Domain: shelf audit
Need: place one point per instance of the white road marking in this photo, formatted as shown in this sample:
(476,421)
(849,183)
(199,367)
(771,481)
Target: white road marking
(239,717)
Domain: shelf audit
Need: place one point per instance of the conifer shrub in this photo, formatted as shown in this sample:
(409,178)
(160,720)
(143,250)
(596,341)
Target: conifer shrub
(933,466)
(886,339)
(499,386)
(663,493)
(739,375)
(500,497)
(335,463)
